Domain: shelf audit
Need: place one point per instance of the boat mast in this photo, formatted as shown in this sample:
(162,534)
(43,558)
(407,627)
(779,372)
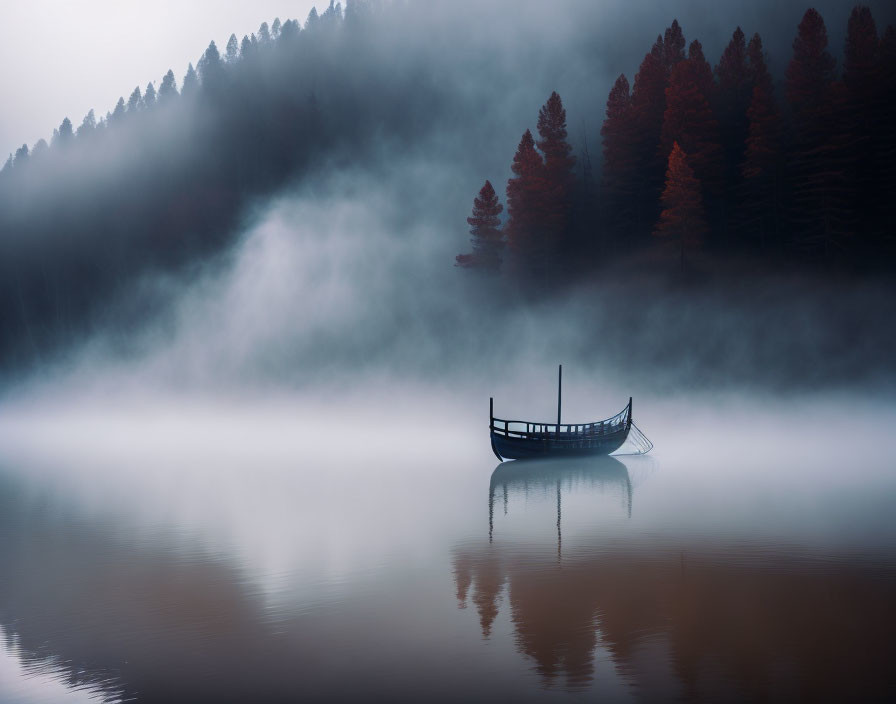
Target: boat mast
(559,394)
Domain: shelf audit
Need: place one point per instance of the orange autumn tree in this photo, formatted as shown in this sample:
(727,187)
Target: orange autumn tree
(682,221)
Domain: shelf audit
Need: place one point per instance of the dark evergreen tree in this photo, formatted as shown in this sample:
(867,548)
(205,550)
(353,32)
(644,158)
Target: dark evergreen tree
(232,51)
(210,68)
(168,88)
(689,121)
(760,191)
(64,135)
(525,230)
(119,112)
(191,83)
(88,126)
(673,45)
(149,96)
(264,35)
(682,221)
(247,47)
(648,108)
(559,179)
(276,28)
(732,101)
(620,170)
(135,102)
(485,228)
(819,202)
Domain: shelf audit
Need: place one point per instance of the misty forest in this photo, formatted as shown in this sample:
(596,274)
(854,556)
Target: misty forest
(253,311)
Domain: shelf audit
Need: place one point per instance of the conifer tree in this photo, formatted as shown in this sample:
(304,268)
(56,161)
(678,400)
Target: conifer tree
(648,107)
(232,50)
(64,135)
(191,83)
(168,88)
(689,121)
(487,238)
(682,220)
(620,161)
(673,45)
(760,199)
(525,231)
(733,96)
(135,102)
(559,180)
(247,47)
(264,34)
(818,174)
(119,112)
(210,67)
(88,126)
(149,96)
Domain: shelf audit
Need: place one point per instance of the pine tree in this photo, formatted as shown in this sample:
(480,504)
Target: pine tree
(232,50)
(210,67)
(63,136)
(760,190)
(620,161)
(135,102)
(648,107)
(733,97)
(818,175)
(88,126)
(757,68)
(487,238)
(525,231)
(689,121)
(191,83)
(247,47)
(149,96)
(264,35)
(559,179)
(118,113)
(673,45)
(682,220)
(168,88)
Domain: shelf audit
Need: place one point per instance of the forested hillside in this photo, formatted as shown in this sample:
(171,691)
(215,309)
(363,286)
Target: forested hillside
(722,160)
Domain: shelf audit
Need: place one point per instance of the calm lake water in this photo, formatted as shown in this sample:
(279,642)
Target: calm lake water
(243,552)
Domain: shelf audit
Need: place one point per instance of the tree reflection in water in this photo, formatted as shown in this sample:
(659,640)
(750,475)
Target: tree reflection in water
(711,619)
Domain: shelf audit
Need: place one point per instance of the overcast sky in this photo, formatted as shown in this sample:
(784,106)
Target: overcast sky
(61,58)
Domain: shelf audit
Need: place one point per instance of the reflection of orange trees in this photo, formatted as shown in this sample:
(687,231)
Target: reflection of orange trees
(797,629)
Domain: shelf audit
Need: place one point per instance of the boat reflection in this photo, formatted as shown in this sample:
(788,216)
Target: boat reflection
(522,475)
(711,619)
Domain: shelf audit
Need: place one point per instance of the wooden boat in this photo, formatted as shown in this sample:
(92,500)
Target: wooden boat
(519,439)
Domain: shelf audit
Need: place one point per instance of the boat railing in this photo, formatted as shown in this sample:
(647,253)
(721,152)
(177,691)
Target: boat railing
(526,429)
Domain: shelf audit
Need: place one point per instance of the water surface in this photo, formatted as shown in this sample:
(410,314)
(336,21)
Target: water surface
(225,552)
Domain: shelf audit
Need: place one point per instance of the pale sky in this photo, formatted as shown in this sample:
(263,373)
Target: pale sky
(63,57)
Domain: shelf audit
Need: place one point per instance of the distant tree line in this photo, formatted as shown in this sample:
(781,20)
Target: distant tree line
(164,178)
(715,160)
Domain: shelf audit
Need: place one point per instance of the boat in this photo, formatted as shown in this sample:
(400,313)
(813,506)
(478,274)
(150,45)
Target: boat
(520,439)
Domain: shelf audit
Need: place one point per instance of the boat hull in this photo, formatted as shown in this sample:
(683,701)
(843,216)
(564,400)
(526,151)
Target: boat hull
(556,445)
